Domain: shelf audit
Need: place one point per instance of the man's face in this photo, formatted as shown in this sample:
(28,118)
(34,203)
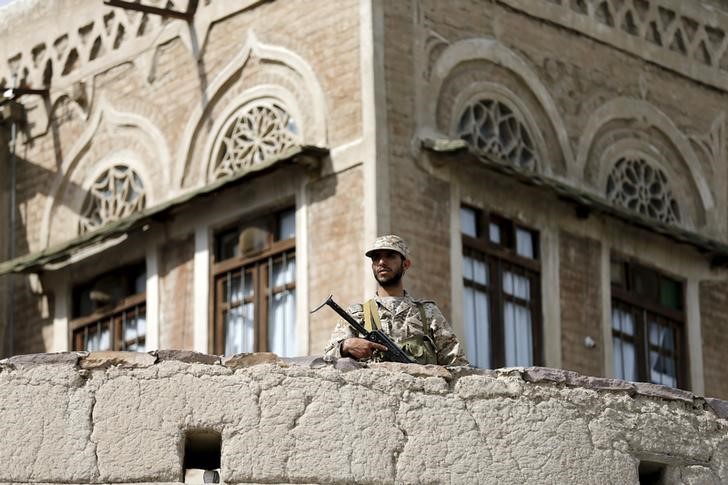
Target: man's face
(388,267)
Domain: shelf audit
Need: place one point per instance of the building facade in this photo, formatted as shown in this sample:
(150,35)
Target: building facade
(557,167)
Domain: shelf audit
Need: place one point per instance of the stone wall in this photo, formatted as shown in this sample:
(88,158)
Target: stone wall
(123,417)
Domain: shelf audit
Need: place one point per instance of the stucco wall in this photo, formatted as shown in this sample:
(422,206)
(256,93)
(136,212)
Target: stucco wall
(122,417)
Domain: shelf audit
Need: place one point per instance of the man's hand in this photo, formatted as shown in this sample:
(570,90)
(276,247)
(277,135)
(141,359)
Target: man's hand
(359,348)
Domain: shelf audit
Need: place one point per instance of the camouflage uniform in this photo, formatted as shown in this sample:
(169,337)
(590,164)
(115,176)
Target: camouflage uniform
(400,319)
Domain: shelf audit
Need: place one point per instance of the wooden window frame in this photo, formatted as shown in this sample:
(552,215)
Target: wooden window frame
(114,317)
(259,264)
(501,257)
(643,309)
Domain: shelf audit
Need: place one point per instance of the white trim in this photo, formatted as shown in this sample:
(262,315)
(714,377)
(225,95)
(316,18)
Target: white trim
(201,288)
(374,128)
(606,285)
(551,296)
(61,314)
(152,263)
(457,319)
(693,333)
(302,303)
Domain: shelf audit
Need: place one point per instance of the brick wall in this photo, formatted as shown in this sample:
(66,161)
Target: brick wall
(714,329)
(176,305)
(336,245)
(581,316)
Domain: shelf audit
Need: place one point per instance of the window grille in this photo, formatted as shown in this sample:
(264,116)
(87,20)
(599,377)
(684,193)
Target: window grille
(636,185)
(493,128)
(117,193)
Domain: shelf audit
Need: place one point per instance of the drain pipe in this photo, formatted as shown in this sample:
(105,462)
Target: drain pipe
(11,277)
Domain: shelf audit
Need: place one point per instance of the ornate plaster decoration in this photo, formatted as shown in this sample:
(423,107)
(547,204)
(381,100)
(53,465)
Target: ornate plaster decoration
(117,193)
(257,132)
(491,127)
(638,186)
(687,37)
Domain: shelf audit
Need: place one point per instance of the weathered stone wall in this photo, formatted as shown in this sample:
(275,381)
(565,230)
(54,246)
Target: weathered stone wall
(122,418)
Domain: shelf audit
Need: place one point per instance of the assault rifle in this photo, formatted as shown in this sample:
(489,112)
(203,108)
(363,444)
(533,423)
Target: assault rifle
(393,352)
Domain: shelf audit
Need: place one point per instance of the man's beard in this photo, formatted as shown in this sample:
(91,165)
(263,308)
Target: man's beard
(390,281)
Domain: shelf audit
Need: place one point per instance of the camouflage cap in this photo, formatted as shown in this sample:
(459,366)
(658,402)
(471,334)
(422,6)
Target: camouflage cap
(390,242)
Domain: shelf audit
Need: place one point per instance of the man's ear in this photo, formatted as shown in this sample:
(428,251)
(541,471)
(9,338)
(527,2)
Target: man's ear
(407,263)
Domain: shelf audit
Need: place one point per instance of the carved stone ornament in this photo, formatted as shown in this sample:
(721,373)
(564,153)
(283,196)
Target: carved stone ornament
(256,133)
(491,127)
(636,185)
(117,193)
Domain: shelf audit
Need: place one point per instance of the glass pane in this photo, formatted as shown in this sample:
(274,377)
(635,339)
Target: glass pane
(494,233)
(140,283)
(516,285)
(480,272)
(284,272)
(518,336)
(239,330)
(469,222)
(477,327)
(645,282)
(287,225)
(624,363)
(282,324)
(616,272)
(662,369)
(524,243)
(670,293)
(468,268)
(622,321)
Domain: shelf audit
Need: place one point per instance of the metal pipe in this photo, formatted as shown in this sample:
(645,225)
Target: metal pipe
(10,321)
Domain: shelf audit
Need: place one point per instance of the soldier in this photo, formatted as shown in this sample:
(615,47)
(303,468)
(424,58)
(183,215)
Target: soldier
(417,326)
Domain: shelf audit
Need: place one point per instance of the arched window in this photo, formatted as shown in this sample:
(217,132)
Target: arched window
(491,127)
(256,132)
(642,188)
(117,193)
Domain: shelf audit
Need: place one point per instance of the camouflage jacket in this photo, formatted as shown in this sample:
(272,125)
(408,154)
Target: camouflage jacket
(401,319)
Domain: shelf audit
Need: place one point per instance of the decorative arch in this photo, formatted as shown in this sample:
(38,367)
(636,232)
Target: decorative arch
(268,117)
(252,47)
(494,120)
(492,51)
(78,171)
(683,165)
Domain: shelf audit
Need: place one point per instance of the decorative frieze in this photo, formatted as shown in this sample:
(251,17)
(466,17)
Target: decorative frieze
(688,37)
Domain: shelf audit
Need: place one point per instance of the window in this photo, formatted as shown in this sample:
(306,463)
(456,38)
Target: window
(254,277)
(501,291)
(648,319)
(109,312)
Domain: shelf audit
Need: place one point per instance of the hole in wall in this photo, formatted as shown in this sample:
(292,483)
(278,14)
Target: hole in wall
(651,473)
(202,456)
